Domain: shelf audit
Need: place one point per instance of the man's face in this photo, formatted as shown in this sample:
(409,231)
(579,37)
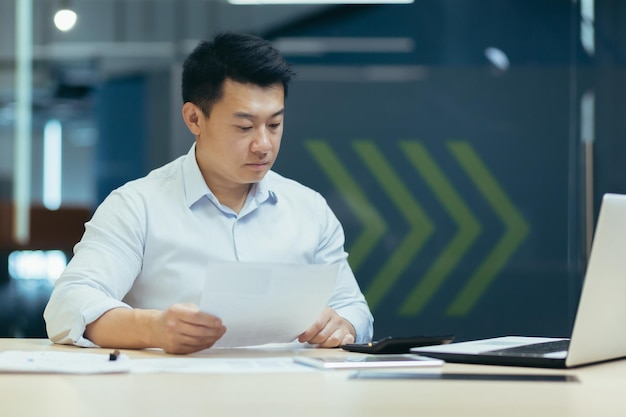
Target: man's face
(239,141)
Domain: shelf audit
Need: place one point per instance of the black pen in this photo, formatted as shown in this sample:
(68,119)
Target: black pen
(114,355)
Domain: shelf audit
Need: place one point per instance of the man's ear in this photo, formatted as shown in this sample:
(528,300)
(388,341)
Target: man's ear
(191,116)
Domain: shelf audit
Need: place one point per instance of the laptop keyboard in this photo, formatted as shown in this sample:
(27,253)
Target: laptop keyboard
(535,349)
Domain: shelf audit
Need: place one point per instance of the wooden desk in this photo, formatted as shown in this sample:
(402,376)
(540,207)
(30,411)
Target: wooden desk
(600,392)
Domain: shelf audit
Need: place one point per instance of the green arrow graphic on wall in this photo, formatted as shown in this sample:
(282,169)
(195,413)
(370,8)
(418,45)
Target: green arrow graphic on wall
(420,225)
(468,228)
(374,226)
(516,229)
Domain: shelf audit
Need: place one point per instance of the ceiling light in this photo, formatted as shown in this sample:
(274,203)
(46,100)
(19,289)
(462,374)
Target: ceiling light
(259,2)
(498,58)
(65,19)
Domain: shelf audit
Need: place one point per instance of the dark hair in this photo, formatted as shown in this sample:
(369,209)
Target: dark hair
(240,57)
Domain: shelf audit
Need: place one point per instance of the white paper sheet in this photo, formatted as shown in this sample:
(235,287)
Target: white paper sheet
(217,365)
(266,303)
(13,361)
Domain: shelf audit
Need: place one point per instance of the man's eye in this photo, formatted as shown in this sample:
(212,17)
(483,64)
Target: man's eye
(275,125)
(245,128)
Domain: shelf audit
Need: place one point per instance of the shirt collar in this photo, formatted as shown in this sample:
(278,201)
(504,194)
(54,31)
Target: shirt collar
(196,188)
(264,190)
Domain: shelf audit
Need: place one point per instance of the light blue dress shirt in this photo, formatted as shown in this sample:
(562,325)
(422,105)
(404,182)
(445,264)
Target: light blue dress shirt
(148,245)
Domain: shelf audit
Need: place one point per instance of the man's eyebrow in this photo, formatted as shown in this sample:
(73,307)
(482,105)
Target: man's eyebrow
(244,115)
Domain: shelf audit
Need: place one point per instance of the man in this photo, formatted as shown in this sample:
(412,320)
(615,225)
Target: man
(136,276)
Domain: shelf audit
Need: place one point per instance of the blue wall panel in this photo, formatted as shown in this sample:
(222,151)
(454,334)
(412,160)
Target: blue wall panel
(452,180)
(121,121)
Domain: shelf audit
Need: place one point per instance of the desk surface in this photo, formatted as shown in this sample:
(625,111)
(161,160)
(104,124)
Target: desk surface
(601,391)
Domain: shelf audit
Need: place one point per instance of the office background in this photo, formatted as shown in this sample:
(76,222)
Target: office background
(464,144)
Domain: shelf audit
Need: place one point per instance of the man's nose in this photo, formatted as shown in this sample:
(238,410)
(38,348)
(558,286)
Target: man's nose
(262,142)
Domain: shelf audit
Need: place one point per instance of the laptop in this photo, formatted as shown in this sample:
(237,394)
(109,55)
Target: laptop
(599,332)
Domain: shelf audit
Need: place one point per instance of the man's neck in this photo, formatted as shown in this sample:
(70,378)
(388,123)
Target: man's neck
(233,198)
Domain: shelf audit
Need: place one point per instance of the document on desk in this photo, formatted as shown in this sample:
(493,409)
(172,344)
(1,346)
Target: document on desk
(43,362)
(263,303)
(191,365)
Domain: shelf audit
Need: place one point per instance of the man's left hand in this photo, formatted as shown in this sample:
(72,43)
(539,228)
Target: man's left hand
(330,330)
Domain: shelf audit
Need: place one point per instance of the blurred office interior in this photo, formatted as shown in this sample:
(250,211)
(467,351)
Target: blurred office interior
(464,144)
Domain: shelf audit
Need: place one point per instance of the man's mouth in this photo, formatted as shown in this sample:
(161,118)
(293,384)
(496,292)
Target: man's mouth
(258,165)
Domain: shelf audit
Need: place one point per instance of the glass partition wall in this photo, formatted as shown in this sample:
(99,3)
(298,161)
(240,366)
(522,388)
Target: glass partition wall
(464,145)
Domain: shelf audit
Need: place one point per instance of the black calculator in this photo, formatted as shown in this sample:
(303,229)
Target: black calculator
(397,344)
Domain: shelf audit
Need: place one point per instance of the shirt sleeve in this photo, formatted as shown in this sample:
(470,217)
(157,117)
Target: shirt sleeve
(105,264)
(347,299)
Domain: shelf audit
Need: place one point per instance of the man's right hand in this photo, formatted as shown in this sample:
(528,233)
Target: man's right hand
(183,328)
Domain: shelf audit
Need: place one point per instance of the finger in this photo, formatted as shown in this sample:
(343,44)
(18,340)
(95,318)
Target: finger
(199,331)
(347,339)
(175,325)
(321,337)
(337,331)
(203,339)
(312,333)
(186,344)
(333,340)
(191,314)
(320,324)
